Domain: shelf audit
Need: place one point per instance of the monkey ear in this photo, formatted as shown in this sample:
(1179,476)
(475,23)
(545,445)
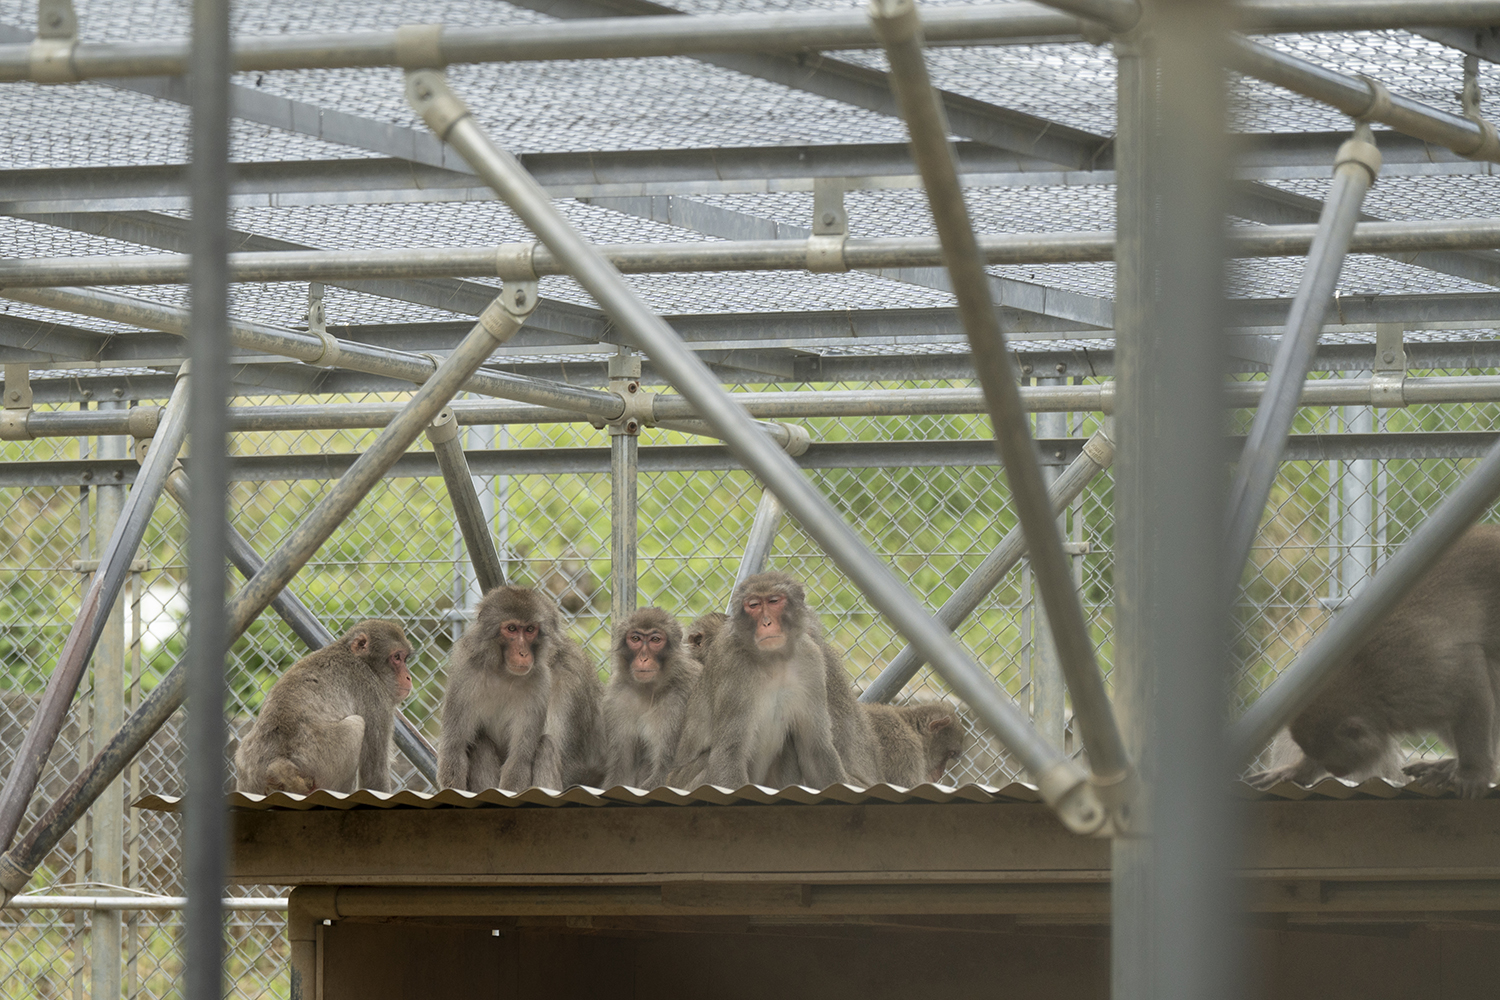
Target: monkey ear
(939,724)
(359,642)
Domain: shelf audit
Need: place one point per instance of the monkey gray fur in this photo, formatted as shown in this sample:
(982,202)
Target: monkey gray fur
(1433,664)
(522,707)
(327,721)
(917,742)
(646,700)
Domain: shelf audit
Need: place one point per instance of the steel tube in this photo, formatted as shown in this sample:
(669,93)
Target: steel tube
(593,38)
(1365,99)
(337,353)
(313,633)
(624,463)
(108,833)
(1098,454)
(521,261)
(205,822)
(499,323)
(1064,785)
(467,510)
(116,904)
(114,563)
(1358,163)
(898,25)
(1342,637)
(768,515)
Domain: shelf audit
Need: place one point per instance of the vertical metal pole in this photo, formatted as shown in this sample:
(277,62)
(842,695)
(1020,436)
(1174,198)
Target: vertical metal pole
(624,463)
(109,712)
(1173,890)
(208,524)
(1357,519)
(133,853)
(1048,692)
(444,435)
(768,514)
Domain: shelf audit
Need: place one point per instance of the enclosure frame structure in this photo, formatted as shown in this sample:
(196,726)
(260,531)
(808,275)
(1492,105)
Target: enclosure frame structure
(1168,251)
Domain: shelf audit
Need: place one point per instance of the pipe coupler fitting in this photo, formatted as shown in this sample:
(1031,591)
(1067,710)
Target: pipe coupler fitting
(1100,447)
(1068,791)
(13,425)
(444,426)
(1360,151)
(895,21)
(13,877)
(430,96)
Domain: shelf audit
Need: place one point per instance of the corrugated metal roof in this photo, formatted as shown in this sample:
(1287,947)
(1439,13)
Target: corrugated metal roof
(1016,791)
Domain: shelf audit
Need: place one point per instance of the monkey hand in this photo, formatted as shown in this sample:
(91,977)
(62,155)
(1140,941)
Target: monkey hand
(1446,773)
(1303,772)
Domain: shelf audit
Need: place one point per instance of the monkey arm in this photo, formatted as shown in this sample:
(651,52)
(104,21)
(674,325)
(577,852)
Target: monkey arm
(453,746)
(375,752)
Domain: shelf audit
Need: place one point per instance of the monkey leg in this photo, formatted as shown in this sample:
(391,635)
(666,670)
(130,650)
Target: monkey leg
(283,775)
(1471,734)
(547,765)
(338,766)
(485,765)
(515,774)
(1303,772)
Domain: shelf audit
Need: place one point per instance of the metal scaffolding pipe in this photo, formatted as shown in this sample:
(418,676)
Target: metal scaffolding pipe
(1355,169)
(526,261)
(114,564)
(141,421)
(897,23)
(591,38)
(1064,786)
(624,462)
(443,434)
(768,515)
(499,322)
(1342,637)
(327,352)
(1366,99)
(1098,453)
(313,633)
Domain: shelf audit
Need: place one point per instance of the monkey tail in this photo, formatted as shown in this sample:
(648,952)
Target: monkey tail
(282,775)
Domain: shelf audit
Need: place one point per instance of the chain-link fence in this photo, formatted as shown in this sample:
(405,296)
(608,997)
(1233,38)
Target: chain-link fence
(400,555)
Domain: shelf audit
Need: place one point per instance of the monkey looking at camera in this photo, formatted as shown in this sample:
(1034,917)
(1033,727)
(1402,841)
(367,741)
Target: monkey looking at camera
(327,721)
(767,686)
(917,742)
(1433,664)
(522,705)
(647,696)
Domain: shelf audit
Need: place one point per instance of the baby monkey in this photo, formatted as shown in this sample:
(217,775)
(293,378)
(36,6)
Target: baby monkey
(1433,664)
(327,721)
(647,698)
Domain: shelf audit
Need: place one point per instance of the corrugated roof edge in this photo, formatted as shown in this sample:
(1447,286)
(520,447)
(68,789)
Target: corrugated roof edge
(1328,788)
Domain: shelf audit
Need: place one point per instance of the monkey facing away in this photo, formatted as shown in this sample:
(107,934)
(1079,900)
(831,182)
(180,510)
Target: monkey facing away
(522,704)
(1433,664)
(327,721)
(647,696)
(917,742)
(768,694)
(701,633)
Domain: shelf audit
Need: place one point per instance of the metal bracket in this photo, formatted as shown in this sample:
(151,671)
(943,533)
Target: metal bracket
(317,325)
(444,426)
(1489,143)
(51,53)
(1388,383)
(17,387)
(625,382)
(825,248)
(55,19)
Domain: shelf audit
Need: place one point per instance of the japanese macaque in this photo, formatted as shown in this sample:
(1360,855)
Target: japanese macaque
(701,633)
(768,694)
(1284,752)
(1432,664)
(570,582)
(522,705)
(917,742)
(647,698)
(327,721)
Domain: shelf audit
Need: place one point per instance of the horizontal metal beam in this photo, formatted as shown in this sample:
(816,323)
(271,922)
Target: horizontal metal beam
(527,261)
(715,458)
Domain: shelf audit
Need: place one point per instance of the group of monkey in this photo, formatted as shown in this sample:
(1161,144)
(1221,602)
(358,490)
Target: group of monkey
(755,696)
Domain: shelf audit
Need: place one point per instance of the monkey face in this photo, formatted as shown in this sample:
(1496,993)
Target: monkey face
(645,649)
(518,642)
(397,661)
(765,610)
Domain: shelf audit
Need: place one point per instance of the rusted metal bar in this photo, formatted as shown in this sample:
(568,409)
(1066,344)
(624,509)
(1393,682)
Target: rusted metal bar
(104,588)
